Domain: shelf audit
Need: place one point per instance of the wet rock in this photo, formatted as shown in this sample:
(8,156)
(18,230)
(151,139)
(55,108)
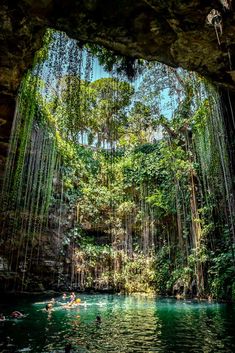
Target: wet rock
(176,33)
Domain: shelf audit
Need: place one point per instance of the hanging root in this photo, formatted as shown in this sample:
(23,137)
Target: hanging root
(214,18)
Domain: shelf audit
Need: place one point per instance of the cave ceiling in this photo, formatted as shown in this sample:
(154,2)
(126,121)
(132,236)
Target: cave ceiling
(177,33)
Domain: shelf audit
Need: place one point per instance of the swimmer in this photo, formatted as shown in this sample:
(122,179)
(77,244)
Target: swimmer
(52,301)
(48,306)
(2,317)
(78,301)
(98,319)
(64,296)
(17,315)
(67,348)
(72,297)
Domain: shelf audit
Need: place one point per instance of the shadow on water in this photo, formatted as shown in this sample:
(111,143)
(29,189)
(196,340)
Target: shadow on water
(128,324)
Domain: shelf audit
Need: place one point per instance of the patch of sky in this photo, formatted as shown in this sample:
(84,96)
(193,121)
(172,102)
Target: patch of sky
(66,58)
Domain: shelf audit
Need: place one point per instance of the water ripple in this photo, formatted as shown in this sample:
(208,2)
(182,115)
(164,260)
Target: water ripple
(129,325)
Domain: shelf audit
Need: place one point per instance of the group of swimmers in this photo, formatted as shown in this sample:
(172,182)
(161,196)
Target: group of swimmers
(69,301)
(72,299)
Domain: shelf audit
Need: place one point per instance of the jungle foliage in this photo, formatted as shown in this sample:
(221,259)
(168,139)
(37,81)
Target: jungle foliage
(152,185)
(141,184)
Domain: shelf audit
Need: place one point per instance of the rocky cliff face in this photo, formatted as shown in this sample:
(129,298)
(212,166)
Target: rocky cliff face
(177,33)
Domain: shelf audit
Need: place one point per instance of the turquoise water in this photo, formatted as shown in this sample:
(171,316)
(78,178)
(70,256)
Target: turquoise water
(129,324)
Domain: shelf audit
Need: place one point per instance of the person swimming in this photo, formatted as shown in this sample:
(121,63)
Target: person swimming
(48,306)
(77,301)
(98,319)
(17,315)
(2,317)
(72,298)
(67,348)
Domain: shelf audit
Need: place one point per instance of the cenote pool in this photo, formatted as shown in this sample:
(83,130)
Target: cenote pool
(129,324)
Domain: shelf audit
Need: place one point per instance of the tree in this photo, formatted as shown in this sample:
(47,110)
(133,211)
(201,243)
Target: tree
(111,102)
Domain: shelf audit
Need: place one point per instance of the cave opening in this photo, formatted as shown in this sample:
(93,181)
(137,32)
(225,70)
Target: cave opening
(118,178)
(117,201)
(119,186)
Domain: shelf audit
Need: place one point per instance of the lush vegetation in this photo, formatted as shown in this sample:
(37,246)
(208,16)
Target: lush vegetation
(132,184)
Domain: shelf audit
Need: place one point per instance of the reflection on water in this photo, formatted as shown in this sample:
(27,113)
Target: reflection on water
(129,324)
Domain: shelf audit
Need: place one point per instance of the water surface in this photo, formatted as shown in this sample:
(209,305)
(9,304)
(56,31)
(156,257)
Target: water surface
(129,324)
